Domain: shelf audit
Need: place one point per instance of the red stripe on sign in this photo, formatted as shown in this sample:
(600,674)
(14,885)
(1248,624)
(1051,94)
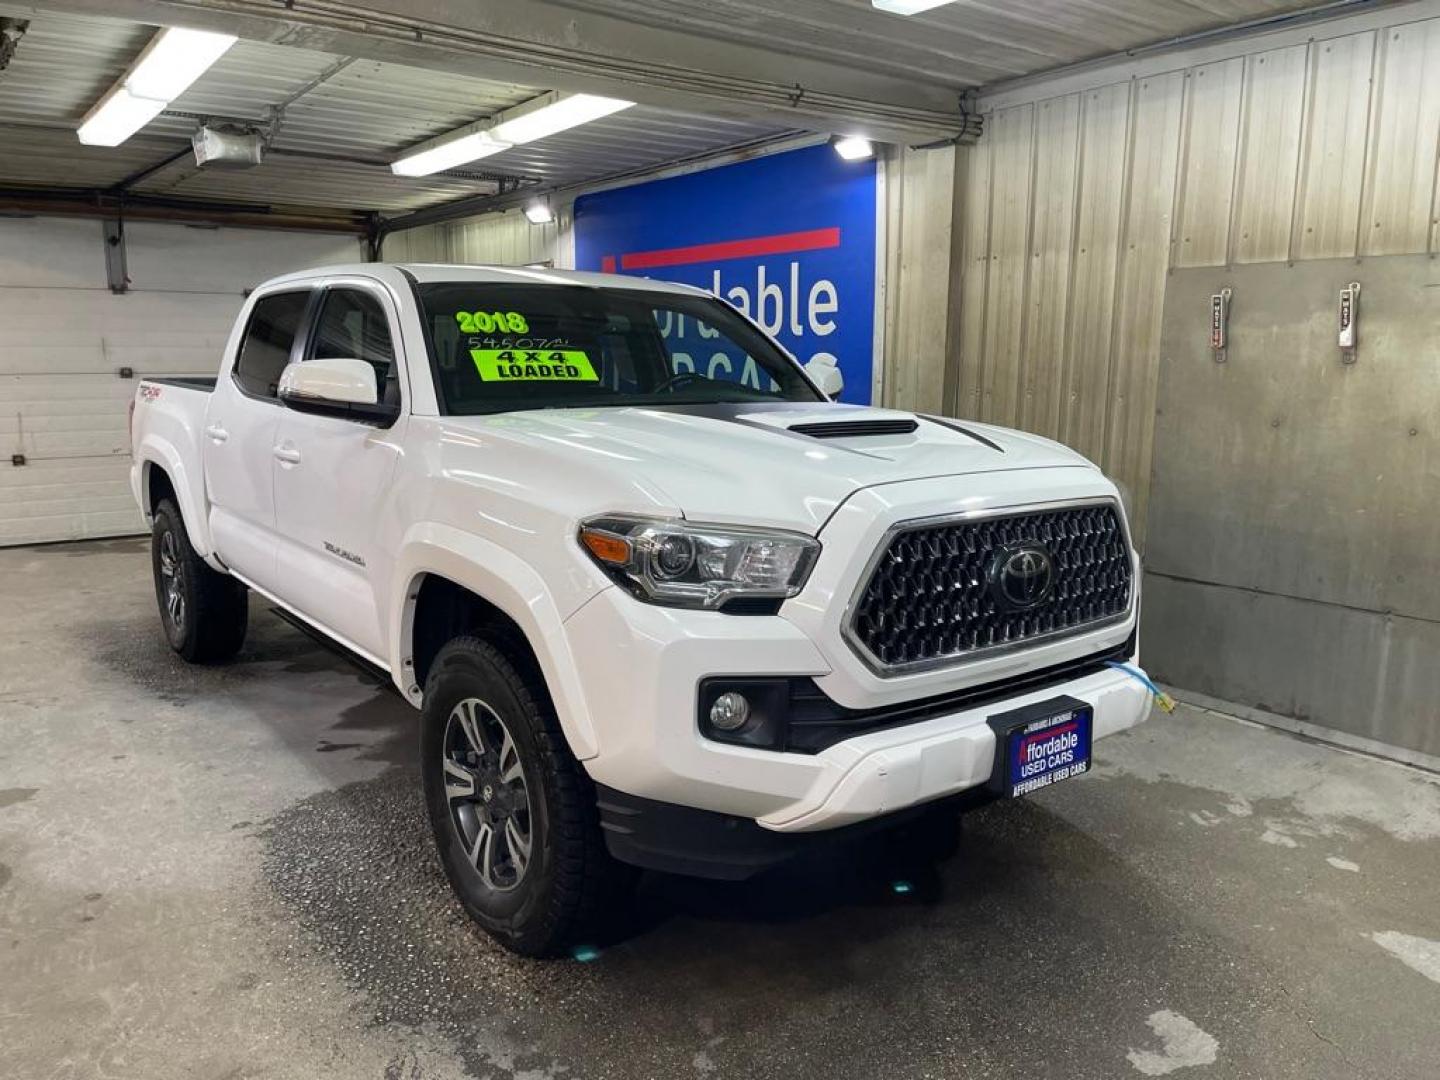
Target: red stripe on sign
(607,264)
(779,244)
(1041,736)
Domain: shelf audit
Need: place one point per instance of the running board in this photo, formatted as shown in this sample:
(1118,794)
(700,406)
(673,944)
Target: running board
(325,641)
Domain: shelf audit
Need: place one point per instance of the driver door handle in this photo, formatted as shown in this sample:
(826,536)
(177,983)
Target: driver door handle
(216,433)
(288,454)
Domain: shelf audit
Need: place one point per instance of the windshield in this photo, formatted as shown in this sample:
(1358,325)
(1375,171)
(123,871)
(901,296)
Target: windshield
(502,347)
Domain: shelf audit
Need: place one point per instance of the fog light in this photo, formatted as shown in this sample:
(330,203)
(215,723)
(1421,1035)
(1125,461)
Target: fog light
(730,711)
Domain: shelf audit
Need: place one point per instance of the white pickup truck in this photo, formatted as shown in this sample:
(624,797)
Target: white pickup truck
(660,600)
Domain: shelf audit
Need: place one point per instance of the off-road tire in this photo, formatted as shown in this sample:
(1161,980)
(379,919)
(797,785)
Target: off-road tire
(204,613)
(570,887)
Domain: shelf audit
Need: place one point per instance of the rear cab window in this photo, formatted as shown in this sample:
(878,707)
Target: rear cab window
(269,339)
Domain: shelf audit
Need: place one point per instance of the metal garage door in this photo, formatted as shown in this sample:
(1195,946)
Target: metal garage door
(65,338)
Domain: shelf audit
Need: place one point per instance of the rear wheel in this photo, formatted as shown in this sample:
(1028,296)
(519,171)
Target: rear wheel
(512,810)
(204,613)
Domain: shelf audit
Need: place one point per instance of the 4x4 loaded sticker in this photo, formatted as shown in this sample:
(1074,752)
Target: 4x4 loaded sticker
(533,365)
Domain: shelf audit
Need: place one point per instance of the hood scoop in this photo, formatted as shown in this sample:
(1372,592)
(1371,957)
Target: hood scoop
(854,429)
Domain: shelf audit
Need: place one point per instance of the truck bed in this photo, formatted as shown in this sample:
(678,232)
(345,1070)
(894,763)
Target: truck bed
(188,382)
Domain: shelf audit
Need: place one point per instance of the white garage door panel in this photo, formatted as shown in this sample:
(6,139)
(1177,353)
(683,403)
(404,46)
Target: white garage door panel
(66,500)
(65,416)
(196,359)
(64,337)
(51,252)
(42,313)
(184,259)
(88,331)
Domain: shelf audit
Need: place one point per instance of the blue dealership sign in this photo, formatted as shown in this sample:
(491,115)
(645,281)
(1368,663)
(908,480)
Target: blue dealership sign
(789,239)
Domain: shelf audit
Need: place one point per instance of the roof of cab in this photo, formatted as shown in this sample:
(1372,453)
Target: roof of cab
(445,272)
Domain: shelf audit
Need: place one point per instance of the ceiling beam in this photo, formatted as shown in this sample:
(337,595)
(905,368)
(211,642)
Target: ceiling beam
(546,46)
(84,202)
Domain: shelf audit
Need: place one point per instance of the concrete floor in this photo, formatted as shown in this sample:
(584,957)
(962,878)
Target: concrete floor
(225,872)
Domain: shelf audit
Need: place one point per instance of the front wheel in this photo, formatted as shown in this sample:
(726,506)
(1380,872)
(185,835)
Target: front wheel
(204,612)
(512,811)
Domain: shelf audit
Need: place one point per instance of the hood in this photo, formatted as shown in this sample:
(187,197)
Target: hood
(785,464)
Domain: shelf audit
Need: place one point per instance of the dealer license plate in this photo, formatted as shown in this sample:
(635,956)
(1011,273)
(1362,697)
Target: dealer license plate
(1040,745)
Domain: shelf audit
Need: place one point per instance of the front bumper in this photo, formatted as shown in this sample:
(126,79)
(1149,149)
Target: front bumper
(699,843)
(641,666)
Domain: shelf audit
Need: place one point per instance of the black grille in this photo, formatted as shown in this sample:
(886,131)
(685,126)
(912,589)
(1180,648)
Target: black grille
(930,598)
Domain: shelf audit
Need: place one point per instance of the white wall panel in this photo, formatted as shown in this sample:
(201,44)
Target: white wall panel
(1104,163)
(1209,153)
(508,239)
(1400,194)
(1052,235)
(66,336)
(920,196)
(974,276)
(504,239)
(423,244)
(1144,255)
(1270,127)
(1333,167)
(1001,358)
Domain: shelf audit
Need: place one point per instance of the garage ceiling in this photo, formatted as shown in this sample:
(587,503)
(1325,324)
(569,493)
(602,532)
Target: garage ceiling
(339,121)
(343,88)
(967,43)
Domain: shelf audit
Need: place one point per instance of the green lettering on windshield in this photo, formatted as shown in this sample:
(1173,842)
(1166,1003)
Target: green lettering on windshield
(485,322)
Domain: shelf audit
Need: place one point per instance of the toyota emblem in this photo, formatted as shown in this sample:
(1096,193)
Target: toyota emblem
(1022,575)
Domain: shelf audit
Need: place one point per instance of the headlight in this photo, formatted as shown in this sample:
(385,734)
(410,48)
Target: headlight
(700,566)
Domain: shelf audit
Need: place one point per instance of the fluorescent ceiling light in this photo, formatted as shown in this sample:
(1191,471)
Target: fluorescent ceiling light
(906,7)
(525,123)
(539,213)
(449,155)
(173,60)
(117,116)
(853,148)
(560,115)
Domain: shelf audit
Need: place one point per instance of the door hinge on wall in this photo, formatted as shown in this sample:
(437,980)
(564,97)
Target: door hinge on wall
(116,275)
(1349,313)
(1220,325)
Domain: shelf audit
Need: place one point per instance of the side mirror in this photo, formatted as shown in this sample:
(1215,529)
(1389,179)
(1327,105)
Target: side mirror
(824,372)
(335,386)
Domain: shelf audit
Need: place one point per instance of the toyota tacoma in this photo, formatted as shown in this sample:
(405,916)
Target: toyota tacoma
(660,600)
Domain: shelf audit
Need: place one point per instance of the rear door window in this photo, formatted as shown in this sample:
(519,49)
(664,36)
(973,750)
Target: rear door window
(269,339)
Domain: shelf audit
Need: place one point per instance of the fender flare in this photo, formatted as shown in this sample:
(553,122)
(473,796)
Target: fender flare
(163,455)
(499,577)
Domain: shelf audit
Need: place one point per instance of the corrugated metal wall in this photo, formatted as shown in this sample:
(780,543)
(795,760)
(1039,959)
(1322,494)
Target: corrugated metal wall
(1076,203)
(920,276)
(507,239)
